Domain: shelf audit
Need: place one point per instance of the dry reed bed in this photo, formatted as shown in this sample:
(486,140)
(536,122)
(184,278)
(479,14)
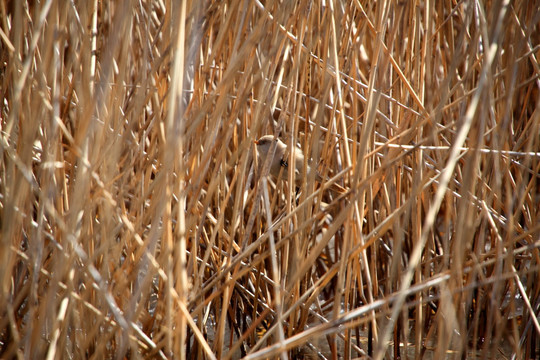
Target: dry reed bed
(135,223)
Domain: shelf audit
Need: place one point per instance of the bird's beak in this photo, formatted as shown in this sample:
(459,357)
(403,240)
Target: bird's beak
(256,142)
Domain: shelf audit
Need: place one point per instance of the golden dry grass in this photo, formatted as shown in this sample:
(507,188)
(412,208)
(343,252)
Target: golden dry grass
(135,223)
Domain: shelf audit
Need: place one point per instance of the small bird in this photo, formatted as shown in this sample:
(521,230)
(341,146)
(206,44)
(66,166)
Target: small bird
(281,161)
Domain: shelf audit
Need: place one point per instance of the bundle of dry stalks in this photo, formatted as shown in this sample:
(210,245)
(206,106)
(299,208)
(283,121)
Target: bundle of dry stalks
(135,222)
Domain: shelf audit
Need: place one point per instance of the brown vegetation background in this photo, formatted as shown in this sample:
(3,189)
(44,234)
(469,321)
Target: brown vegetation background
(136,224)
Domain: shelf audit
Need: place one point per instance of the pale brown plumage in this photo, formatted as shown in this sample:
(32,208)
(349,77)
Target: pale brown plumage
(281,160)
